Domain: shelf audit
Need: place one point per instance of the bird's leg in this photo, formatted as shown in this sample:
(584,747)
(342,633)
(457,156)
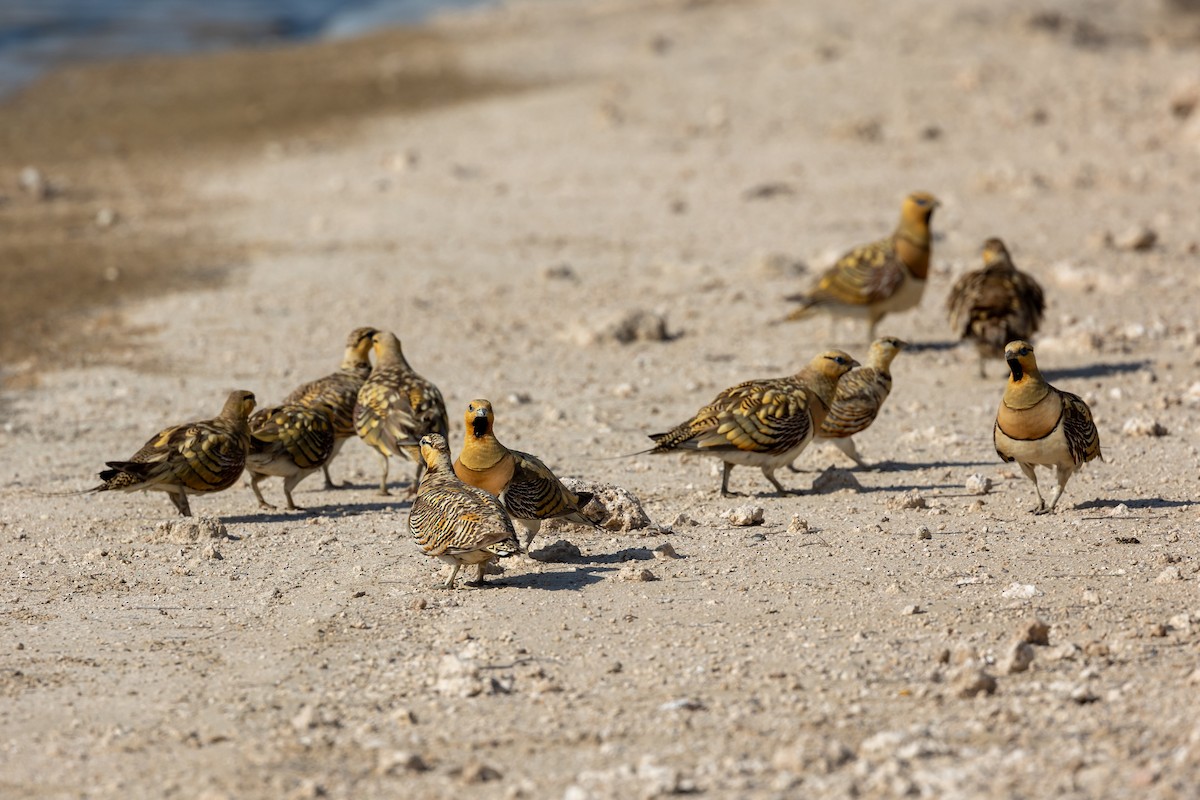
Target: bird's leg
(449,584)
(479,581)
(531,526)
(1063,474)
(982,366)
(769,474)
(793,468)
(329,484)
(383,490)
(725,480)
(262,503)
(1029,473)
(846,445)
(181,502)
(289,483)
(412,490)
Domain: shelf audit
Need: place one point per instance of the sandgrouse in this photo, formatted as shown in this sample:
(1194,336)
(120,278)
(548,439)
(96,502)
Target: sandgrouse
(860,396)
(529,491)
(192,458)
(876,279)
(995,305)
(1038,424)
(291,441)
(457,523)
(337,392)
(761,423)
(396,407)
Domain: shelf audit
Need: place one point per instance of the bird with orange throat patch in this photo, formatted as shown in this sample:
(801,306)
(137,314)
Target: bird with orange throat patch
(1037,424)
(880,278)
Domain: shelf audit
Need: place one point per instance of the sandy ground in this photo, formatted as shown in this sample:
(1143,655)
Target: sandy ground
(693,160)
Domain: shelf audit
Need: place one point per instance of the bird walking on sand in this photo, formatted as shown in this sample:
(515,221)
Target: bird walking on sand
(192,458)
(876,279)
(761,423)
(1038,424)
(860,395)
(457,523)
(529,491)
(995,305)
(337,392)
(291,441)
(396,407)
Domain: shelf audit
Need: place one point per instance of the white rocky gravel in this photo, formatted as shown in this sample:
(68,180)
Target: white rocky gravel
(870,639)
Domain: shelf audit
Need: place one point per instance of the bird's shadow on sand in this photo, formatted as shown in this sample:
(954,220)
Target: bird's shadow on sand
(885,467)
(1095,370)
(555,580)
(587,570)
(1133,505)
(334,510)
(930,347)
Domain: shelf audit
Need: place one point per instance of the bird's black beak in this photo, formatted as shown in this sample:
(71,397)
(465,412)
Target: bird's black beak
(1014,367)
(479,426)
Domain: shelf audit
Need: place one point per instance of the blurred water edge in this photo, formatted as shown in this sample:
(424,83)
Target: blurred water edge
(37,35)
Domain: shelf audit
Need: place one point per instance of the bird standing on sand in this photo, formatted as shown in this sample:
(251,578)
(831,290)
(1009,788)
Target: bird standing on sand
(192,458)
(457,523)
(1038,424)
(877,279)
(291,441)
(995,305)
(529,491)
(337,392)
(761,423)
(860,396)
(396,407)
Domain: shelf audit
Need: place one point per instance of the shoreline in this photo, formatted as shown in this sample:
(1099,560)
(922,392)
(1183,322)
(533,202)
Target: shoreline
(93,211)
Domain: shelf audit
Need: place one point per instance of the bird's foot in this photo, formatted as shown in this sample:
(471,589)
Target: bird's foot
(263,504)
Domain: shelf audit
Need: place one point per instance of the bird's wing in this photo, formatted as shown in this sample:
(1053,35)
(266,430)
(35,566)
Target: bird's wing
(865,275)
(1083,440)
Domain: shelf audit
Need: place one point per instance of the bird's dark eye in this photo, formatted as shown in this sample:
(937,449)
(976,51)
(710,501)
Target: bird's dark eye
(922,201)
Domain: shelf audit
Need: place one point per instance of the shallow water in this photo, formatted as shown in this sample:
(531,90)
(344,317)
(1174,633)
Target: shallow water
(37,35)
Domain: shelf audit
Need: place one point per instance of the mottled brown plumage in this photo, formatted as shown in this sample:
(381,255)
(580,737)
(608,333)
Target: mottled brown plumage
(396,407)
(192,458)
(761,423)
(454,522)
(860,396)
(291,441)
(874,280)
(529,490)
(1038,424)
(995,305)
(337,392)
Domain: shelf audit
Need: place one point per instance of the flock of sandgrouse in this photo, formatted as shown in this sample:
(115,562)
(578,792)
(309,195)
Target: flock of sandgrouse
(464,510)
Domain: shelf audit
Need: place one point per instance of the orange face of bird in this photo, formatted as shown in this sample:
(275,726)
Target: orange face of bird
(885,349)
(240,403)
(435,452)
(384,342)
(1019,356)
(479,418)
(918,208)
(835,363)
(361,340)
